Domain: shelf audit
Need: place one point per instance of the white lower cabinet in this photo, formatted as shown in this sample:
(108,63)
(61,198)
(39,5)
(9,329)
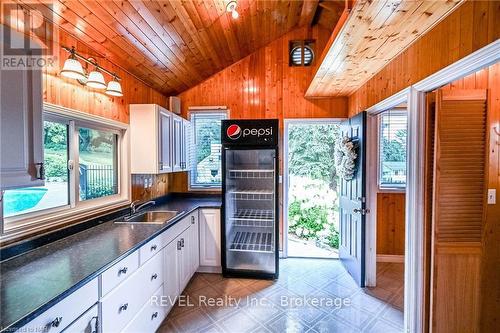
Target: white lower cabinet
(124,302)
(171,283)
(87,323)
(210,240)
(136,293)
(65,312)
(150,316)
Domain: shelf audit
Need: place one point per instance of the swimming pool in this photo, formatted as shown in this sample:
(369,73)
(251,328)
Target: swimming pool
(15,201)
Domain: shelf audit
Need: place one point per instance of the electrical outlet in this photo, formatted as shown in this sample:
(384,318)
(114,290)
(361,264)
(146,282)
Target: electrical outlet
(492,196)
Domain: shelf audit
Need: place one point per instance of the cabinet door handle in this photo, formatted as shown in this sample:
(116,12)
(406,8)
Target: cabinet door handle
(124,307)
(56,322)
(182,242)
(154,315)
(96,326)
(40,171)
(179,245)
(153,247)
(192,219)
(154,276)
(122,271)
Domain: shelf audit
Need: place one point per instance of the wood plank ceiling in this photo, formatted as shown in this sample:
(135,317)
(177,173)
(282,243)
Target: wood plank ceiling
(374,33)
(173,45)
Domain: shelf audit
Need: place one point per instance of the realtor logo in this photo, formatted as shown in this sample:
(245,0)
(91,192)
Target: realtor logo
(24,43)
(233,132)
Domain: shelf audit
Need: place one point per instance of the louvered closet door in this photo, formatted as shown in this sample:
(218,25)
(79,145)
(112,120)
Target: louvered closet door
(459,206)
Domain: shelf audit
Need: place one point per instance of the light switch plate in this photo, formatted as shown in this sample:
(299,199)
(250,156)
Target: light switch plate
(492,196)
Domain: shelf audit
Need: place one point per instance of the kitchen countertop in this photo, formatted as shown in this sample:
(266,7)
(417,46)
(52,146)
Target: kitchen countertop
(33,282)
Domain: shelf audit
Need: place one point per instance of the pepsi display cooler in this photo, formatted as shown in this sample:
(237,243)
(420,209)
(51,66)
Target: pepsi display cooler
(250,198)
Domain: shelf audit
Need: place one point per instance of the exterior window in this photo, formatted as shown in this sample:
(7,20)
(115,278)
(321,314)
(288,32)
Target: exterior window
(55,193)
(82,168)
(392,149)
(206,153)
(97,163)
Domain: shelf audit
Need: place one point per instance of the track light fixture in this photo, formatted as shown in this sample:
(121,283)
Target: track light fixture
(73,69)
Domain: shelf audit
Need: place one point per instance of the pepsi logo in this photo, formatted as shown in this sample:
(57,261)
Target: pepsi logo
(233,132)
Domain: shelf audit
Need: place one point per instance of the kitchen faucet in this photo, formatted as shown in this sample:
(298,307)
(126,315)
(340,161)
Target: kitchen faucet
(134,208)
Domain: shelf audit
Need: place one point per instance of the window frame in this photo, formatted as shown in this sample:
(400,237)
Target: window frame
(77,210)
(217,110)
(389,187)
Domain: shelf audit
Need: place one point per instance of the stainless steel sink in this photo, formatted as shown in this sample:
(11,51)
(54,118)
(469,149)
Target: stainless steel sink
(150,217)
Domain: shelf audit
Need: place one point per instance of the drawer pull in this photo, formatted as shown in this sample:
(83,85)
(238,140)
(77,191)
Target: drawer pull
(123,270)
(153,247)
(124,307)
(56,322)
(154,315)
(154,276)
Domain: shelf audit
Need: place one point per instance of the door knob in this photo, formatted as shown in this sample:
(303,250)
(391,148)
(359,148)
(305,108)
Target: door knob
(362,211)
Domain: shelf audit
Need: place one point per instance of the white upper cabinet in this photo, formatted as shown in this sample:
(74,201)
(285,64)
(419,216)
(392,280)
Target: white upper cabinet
(177,126)
(186,144)
(21,128)
(150,139)
(158,139)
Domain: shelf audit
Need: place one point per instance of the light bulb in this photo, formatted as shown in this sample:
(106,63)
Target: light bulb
(114,88)
(73,69)
(96,80)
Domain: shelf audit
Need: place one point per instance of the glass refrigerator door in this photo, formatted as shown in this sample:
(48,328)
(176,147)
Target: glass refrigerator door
(250,209)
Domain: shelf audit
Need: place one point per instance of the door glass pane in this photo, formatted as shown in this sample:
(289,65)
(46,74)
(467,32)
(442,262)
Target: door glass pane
(55,193)
(250,209)
(98,172)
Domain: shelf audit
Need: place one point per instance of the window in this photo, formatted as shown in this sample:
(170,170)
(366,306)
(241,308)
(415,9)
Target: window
(55,193)
(97,151)
(82,172)
(392,149)
(206,152)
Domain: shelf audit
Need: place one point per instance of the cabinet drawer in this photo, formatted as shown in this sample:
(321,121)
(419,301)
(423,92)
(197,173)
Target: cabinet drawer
(125,301)
(176,230)
(151,248)
(150,316)
(87,323)
(119,272)
(66,311)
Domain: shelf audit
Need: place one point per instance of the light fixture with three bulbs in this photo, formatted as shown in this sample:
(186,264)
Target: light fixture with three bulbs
(231,8)
(95,79)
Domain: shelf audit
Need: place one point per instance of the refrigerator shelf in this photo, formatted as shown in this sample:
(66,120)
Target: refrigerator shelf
(247,241)
(251,174)
(253,218)
(252,195)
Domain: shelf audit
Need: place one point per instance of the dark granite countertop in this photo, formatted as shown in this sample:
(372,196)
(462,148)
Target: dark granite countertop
(32,282)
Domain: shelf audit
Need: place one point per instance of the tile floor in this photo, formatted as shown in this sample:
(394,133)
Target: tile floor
(266,306)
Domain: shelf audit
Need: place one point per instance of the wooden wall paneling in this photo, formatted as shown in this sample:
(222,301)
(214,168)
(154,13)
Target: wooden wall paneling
(458,209)
(391,223)
(471,26)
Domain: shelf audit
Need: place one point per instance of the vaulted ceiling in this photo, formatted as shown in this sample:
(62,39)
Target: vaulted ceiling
(173,45)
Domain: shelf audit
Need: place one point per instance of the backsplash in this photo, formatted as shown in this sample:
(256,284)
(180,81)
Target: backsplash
(148,187)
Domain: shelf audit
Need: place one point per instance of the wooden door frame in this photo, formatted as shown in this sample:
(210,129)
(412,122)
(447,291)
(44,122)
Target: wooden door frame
(287,122)
(414,315)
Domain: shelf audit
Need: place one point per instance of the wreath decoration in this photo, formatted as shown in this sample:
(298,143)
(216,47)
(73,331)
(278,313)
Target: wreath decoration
(345,158)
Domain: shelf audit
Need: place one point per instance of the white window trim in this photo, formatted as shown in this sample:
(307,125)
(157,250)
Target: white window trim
(204,110)
(36,222)
(387,188)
